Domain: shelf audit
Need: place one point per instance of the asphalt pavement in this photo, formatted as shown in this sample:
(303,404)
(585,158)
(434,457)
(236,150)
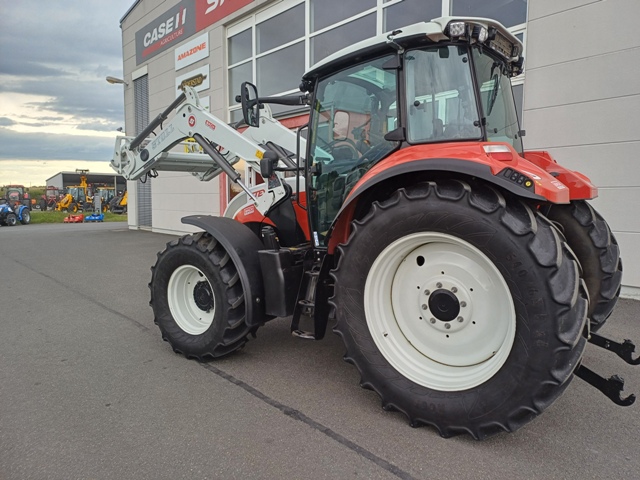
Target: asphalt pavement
(88,389)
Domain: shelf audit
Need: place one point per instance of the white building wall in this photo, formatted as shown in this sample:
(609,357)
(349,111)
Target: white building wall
(581,101)
(174,195)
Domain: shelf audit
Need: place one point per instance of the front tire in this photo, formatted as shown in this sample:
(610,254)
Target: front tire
(461,309)
(25,217)
(597,251)
(197,298)
(11,219)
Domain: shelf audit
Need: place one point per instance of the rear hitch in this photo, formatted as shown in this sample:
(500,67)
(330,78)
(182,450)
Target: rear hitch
(611,387)
(624,350)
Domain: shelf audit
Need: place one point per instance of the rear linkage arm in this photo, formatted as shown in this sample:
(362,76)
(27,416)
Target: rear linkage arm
(613,386)
(624,350)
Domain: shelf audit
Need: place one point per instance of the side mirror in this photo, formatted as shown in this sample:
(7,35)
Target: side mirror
(250,105)
(268,164)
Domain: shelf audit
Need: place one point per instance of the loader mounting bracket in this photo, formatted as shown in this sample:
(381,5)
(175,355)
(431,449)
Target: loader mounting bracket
(611,387)
(624,350)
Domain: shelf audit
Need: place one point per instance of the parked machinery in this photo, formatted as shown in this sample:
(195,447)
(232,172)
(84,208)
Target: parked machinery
(106,194)
(10,216)
(118,204)
(76,196)
(16,195)
(465,274)
(50,198)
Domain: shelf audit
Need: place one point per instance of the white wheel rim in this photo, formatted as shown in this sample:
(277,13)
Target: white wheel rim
(185,284)
(437,270)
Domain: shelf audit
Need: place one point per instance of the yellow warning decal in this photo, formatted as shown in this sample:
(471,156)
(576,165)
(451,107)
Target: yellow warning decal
(259,154)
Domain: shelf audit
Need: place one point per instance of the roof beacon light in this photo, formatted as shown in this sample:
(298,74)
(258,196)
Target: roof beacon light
(457,29)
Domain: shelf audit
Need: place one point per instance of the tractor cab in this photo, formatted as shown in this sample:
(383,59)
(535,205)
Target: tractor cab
(440,82)
(78,193)
(16,195)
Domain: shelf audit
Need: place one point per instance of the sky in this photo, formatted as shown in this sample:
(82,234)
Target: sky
(57,112)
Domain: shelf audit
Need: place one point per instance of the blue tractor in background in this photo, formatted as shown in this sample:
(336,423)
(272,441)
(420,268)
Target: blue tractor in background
(11,216)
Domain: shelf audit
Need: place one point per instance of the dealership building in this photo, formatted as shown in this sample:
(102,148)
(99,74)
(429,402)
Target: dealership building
(578,97)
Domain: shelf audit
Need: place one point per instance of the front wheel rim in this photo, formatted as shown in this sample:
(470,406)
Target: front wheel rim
(191,299)
(439,311)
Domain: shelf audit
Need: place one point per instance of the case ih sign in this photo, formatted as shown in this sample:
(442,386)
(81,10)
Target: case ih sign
(179,23)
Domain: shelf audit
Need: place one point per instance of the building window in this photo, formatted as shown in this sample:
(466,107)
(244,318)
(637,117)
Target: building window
(325,13)
(274,46)
(508,12)
(331,41)
(411,11)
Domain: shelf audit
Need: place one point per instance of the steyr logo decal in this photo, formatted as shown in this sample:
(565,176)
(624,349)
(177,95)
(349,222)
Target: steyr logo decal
(210,125)
(160,138)
(192,121)
(249,211)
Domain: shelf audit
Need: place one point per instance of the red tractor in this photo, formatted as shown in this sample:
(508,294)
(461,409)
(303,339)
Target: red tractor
(465,274)
(51,197)
(16,195)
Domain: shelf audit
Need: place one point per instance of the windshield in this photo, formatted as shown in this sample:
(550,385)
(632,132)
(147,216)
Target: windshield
(497,100)
(353,111)
(440,95)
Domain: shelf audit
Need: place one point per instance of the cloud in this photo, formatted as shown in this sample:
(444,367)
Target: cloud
(37,172)
(54,57)
(22,146)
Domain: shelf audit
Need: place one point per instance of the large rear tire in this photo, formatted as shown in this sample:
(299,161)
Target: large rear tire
(197,298)
(460,308)
(594,244)
(25,217)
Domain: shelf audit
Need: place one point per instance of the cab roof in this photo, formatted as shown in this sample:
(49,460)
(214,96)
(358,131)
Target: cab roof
(413,35)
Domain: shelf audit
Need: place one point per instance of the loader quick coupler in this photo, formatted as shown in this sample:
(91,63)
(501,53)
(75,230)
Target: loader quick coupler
(613,386)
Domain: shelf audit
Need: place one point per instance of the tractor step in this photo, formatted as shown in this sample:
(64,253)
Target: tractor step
(304,305)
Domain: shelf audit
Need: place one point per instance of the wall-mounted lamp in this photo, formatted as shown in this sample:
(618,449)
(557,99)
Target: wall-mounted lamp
(114,80)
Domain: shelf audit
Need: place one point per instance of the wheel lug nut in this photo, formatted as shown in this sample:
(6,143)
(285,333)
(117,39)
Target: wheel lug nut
(432,320)
(424,306)
(463,304)
(439,285)
(447,326)
(460,319)
(454,289)
(427,292)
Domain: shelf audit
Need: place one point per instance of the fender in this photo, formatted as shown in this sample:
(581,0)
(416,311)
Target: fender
(579,185)
(534,178)
(20,210)
(242,245)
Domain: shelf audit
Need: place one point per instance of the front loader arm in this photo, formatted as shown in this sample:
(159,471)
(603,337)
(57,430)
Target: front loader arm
(133,158)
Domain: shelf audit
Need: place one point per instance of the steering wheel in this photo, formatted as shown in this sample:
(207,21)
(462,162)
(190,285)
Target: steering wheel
(372,155)
(330,146)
